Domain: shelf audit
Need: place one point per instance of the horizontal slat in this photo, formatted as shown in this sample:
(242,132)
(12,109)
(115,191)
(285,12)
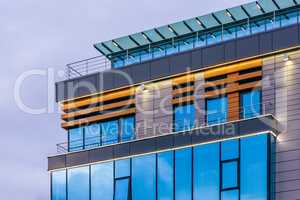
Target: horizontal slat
(233,68)
(233,79)
(183,100)
(98,109)
(98,118)
(93,100)
(246,86)
(183,90)
(183,79)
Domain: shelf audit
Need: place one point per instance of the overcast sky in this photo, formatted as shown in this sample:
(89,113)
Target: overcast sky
(47,34)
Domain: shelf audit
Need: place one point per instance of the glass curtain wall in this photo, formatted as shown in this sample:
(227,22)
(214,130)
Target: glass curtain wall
(217,171)
(101,133)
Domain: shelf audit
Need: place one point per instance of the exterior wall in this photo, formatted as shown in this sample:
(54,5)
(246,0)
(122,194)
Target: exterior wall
(154,110)
(284,83)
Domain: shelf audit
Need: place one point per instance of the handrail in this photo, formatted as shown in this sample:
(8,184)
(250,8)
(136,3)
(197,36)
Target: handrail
(87,66)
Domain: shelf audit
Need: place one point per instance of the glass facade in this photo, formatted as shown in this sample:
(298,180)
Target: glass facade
(204,38)
(250,103)
(216,110)
(184,117)
(226,170)
(101,133)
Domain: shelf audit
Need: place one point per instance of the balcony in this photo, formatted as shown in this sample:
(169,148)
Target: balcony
(239,128)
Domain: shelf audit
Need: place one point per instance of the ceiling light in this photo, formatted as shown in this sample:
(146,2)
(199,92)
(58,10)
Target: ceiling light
(286,57)
(143,88)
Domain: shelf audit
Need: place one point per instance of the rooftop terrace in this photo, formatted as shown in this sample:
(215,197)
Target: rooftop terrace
(228,24)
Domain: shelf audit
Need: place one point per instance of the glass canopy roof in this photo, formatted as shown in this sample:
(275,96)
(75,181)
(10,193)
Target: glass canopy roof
(199,23)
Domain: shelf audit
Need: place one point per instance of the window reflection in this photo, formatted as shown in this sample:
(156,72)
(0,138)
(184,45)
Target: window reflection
(92,137)
(165,175)
(183,174)
(254,167)
(78,184)
(202,171)
(58,185)
(102,181)
(144,177)
(75,139)
(184,117)
(251,103)
(207,172)
(122,191)
(110,132)
(216,111)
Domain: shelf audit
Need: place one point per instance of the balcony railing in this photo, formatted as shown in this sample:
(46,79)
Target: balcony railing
(87,66)
(94,142)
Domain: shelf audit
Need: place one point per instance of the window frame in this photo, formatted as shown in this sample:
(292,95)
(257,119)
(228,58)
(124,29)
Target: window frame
(129,197)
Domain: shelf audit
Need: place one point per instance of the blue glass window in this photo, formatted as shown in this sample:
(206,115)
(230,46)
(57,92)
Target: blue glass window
(144,177)
(172,48)
(183,174)
(128,128)
(242,30)
(184,117)
(289,19)
(92,136)
(229,174)
(258,26)
(229,150)
(254,167)
(78,184)
(122,168)
(158,52)
(186,45)
(251,103)
(110,132)
(229,34)
(122,189)
(200,41)
(213,38)
(207,172)
(216,111)
(75,139)
(58,185)
(145,55)
(102,181)
(165,175)
(230,195)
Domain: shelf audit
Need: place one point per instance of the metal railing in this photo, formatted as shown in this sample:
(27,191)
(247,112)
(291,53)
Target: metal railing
(94,142)
(87,66)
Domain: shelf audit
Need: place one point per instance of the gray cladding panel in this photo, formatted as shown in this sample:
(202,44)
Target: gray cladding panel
(180,63)
(213,55)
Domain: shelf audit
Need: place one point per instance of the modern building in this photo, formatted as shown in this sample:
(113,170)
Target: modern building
(205,108)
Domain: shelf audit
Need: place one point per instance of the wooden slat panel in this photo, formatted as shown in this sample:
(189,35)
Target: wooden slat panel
(183,79)
(233,79)
(93,100)
(233,106)
(233,68)
(183,100)
(98,109)
(98,118)
(183,90)
(246,86)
